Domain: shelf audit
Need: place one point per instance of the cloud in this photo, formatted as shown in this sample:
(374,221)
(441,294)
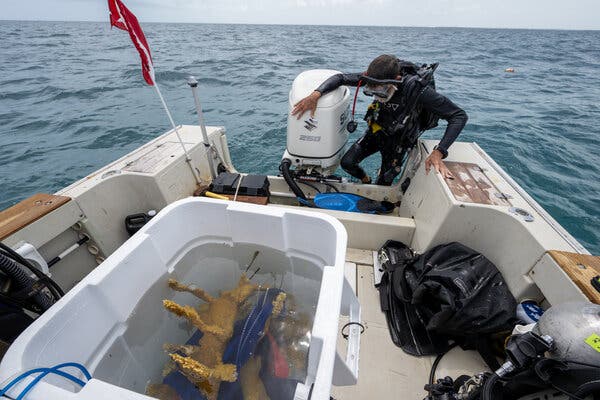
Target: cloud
(505,14)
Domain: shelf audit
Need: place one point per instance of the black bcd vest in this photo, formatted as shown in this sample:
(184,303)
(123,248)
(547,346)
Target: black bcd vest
(402,115)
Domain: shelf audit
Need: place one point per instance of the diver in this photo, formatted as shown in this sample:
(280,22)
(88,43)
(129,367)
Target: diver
(404,106)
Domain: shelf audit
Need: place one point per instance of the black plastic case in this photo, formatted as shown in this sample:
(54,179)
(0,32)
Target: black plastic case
(251,185)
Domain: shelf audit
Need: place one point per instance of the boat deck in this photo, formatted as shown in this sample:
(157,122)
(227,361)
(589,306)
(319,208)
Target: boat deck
(383,367)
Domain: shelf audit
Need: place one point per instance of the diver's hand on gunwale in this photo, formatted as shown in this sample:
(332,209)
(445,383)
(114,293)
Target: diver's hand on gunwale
(435,160)
(306,104)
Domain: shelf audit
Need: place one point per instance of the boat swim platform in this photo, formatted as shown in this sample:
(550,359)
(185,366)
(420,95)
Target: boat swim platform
(384,369)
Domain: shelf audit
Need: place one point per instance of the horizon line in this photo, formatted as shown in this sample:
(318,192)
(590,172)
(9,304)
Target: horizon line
(297,24)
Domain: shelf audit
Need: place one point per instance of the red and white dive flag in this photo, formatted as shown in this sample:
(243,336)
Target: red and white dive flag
(122,18)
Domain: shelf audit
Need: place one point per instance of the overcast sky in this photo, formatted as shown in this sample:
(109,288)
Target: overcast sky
(545,14)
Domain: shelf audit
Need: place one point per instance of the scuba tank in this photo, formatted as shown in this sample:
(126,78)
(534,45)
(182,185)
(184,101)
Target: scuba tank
(575,328)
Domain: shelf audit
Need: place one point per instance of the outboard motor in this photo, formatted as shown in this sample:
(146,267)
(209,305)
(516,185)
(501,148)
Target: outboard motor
(315,145)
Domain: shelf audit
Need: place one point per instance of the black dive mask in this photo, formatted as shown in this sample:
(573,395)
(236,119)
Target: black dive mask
(381,93)
(381,89)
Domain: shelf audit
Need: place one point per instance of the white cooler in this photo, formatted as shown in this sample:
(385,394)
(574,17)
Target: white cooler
(113,322)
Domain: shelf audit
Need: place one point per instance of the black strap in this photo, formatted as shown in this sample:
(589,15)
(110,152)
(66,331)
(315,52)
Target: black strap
(484,347)
(399,285)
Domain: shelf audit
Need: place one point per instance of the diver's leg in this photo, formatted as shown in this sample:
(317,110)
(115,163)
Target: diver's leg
(361,149)
(392,158)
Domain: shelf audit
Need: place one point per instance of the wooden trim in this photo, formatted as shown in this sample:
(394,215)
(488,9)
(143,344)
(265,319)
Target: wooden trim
(27,211)
(581,268)
(262,200)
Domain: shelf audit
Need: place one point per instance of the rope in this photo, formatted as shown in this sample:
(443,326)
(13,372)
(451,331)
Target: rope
(237,189)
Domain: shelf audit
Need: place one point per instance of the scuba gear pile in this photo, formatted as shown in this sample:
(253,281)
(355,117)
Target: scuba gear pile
(559,354)
(448,294)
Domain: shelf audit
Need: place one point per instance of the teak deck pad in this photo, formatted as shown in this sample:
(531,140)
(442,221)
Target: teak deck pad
(581,268)
(471,185)
(27,211)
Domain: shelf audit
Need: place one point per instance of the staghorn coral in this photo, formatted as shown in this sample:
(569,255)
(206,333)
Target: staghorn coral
(199,293)
(202,364)
(199,372)
(192,315)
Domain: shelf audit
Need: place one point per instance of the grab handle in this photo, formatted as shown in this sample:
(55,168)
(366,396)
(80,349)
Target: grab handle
(345,372)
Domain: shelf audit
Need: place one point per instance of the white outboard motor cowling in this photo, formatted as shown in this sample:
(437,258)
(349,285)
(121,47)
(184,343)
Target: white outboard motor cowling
(317,143)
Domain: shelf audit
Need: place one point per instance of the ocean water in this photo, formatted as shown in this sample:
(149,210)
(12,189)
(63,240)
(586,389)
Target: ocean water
(72,98)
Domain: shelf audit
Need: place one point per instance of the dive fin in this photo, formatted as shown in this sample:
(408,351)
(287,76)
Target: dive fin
(352,203)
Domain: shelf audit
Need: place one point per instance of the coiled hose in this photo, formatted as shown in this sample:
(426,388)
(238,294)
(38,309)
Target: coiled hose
(52,286)
(15,266)
(23,281)
(18,274)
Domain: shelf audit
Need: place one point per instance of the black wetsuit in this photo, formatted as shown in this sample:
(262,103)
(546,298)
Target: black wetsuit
(393,143)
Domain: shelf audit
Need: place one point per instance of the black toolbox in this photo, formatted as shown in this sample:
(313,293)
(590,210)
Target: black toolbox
(249,185)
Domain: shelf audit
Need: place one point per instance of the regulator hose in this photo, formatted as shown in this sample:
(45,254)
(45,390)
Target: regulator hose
(285,171)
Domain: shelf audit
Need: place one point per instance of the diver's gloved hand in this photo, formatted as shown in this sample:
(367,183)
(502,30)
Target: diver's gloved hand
(435,160)
(306,104)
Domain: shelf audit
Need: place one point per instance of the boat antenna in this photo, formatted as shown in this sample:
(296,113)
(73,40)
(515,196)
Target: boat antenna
(194,85)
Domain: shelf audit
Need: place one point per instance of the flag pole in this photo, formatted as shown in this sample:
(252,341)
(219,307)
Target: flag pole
(194,85)
(187,156)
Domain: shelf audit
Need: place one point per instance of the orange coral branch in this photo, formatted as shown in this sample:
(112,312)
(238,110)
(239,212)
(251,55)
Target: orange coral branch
(199,293)
(192,315)
(199,372)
